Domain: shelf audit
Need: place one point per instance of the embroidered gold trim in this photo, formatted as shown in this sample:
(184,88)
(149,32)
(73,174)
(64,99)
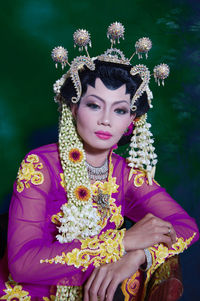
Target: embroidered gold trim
(160,252)
(15,291)
(106,248)
(28,173)
(130,287)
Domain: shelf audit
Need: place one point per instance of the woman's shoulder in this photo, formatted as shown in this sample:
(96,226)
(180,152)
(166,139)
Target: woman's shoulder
(45,150)
(47,153)
(117,159)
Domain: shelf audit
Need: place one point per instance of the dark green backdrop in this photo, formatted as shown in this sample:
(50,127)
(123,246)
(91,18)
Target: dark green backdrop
(30,29)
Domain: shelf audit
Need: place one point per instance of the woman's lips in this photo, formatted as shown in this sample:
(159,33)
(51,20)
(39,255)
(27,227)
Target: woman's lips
(103,135)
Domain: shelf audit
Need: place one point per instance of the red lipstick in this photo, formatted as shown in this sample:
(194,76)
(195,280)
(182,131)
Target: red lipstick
(103,135)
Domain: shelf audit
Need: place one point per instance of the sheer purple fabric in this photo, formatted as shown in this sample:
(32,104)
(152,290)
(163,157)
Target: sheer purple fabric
(38,195)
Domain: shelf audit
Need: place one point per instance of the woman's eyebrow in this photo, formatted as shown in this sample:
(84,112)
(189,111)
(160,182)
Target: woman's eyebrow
(116,102)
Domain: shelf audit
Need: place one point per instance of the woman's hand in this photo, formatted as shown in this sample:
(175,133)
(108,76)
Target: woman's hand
(149,231)
(104,280)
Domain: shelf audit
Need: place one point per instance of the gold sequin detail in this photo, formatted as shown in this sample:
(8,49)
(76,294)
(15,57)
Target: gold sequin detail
(29,173)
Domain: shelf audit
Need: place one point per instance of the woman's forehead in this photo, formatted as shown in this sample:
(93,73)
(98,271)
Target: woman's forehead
(102,91)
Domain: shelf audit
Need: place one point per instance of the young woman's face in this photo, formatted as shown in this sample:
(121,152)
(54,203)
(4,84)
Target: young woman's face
(102,116)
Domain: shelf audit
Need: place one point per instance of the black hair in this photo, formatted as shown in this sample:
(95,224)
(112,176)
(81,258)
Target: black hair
(113,76)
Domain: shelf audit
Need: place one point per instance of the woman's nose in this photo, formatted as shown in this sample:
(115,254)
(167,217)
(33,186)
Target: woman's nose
(104,119)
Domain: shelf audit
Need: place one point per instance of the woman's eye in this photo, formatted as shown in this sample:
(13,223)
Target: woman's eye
(121,111)
(93,106)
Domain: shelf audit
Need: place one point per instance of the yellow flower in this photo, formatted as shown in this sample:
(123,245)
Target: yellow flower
(75,155)
(82,193)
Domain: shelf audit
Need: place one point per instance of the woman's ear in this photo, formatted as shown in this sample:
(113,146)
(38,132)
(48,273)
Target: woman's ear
(74,109)
(133,117)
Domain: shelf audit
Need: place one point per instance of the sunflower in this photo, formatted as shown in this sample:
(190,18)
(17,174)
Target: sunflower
(75,155)
(82,193)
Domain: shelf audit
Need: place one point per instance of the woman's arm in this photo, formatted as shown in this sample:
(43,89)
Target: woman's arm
(104,280)
(155,212)
(34,254)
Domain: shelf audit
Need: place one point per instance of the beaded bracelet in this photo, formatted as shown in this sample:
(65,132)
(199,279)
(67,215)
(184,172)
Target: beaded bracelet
(148,263)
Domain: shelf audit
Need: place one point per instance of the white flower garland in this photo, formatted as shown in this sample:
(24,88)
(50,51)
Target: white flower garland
(80,219)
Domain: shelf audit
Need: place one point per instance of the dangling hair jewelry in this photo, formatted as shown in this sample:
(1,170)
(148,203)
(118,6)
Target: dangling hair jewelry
(142,155)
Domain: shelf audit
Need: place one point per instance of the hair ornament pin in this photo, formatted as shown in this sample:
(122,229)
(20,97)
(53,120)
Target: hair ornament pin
(144,73)
(115,32)
(161,72)
(60,55)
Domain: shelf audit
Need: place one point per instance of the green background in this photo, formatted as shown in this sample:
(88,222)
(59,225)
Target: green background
(28,114)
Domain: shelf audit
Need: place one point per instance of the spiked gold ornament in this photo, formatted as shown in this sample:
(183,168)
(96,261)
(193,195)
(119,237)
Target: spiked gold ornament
(60,55)
(143,45)
(161,72)
(82,39)
(115,32)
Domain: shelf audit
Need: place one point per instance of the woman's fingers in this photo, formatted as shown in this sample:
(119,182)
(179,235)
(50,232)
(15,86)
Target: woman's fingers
(103,290)
(112,288)
(88,284)
(91,290)
(149,231)
(172,234)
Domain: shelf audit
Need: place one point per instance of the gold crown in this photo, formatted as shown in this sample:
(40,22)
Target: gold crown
(114,33)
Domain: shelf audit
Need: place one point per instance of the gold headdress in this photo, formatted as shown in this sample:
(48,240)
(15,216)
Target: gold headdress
(114,33)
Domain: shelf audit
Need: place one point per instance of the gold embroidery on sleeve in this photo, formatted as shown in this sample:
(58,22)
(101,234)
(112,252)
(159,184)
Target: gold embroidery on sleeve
(160,252)
(15,291)
(106,248)
(29,172)
(140,177)
(130,287)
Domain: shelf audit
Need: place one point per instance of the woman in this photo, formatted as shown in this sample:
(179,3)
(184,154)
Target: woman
(70,198)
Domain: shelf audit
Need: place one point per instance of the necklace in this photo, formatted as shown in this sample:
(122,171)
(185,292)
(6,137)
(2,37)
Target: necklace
(97,173)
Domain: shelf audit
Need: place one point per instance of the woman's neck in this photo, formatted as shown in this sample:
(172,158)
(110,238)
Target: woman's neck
(96,158)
